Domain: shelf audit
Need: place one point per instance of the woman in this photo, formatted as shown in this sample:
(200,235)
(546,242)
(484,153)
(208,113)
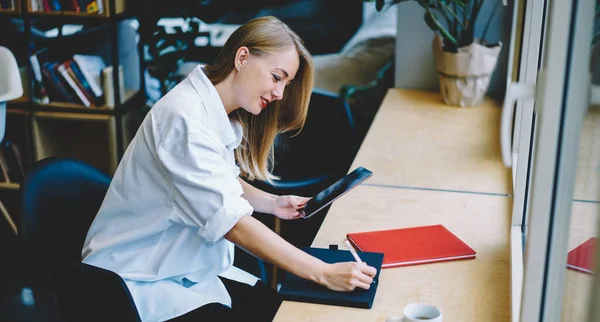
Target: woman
(176,205)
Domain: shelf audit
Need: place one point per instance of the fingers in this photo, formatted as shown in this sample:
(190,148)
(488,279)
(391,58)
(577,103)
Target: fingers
(362,274)
(364,278)
(302,201)
(291,215)
(292,201)
(360,281)
(369,270)
(347,276)
(363,285)
(297,202)
(358,278)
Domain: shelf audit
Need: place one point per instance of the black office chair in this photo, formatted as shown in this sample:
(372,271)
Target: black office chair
(61,197)
(321,153)
(311,160)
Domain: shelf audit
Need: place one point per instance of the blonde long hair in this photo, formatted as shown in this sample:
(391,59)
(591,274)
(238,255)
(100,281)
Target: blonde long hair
(266,35)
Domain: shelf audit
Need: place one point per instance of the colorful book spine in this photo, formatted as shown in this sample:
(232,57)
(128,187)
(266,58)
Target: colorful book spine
(71,82)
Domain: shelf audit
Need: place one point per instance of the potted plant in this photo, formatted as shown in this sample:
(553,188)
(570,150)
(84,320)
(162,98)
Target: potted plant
(465,62)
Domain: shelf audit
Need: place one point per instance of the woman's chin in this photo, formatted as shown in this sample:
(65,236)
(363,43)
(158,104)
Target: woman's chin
(253,111)
(256,111)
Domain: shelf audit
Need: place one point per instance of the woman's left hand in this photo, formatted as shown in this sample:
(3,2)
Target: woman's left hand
(286,207)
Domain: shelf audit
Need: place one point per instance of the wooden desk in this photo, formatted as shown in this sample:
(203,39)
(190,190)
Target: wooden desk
(468,290)
(587,184)
(579,286)
(417,141)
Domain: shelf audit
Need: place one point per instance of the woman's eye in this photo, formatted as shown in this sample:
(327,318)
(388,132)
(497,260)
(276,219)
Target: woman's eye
(276,78)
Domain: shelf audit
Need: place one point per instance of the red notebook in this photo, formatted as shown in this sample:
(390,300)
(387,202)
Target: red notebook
(412,246)
(582,257)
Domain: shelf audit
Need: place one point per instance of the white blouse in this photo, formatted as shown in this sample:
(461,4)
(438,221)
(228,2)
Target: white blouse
(174,196)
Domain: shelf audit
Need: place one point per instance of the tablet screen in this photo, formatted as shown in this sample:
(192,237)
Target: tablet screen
(336,190)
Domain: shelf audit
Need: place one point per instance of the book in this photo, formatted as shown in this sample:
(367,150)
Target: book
(413,245)
(39,90)
(57,91)
(582,257)
(82,82)
(108,86)
(294,288)
(91,68)
(7,4)
(73,85)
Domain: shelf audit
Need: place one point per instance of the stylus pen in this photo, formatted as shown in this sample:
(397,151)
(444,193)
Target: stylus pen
(354,254)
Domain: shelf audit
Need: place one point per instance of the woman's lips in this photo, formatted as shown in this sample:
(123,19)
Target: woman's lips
(264,102)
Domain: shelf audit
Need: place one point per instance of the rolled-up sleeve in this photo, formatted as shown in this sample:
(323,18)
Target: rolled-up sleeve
(206,191)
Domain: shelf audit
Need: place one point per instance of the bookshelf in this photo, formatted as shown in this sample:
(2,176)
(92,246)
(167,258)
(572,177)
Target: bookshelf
(105,6)
(96,134)
(10,7)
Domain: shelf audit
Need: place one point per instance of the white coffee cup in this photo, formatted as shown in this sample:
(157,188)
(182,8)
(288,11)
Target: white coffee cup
(417,312)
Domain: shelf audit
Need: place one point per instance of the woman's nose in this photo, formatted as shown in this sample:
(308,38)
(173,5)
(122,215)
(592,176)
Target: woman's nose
(278,92)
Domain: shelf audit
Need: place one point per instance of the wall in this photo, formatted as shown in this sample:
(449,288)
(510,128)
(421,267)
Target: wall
(415,67)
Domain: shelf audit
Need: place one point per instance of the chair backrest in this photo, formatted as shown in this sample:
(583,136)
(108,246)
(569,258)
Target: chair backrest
(10,84)
(10,78)
(60,198)
(326,146)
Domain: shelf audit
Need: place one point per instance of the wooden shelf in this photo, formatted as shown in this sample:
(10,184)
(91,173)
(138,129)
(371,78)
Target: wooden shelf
(18,112)
(72,107)
(19,103)
(20,100)
(91,138)
(9,186)
(88,137)
(65,14)
(10,12)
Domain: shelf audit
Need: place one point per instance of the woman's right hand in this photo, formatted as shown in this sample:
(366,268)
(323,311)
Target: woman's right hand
(347,276)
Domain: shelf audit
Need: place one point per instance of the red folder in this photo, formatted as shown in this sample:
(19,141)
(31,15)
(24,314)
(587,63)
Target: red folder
(412,246)
(582,257)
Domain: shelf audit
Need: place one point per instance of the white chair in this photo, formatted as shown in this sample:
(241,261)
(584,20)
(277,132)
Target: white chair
(10,88)
(10,84)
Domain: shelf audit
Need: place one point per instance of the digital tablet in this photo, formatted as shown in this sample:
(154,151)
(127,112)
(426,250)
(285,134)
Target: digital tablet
(336,190)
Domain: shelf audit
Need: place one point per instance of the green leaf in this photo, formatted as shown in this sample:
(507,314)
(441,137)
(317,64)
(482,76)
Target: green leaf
(435,25)
(596,38)
(430,22)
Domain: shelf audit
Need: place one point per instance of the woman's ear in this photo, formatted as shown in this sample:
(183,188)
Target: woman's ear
(241,56)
